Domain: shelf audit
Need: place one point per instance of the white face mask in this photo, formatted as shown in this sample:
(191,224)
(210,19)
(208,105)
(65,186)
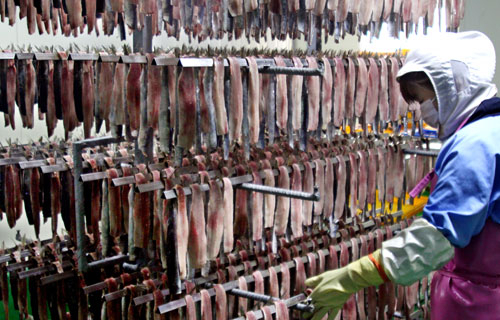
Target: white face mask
(430,113)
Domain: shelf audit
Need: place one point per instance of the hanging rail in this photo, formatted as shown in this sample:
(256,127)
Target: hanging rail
(83,56)
(292,71)
(315,196)
(418,152)
(268,299)
(290,303)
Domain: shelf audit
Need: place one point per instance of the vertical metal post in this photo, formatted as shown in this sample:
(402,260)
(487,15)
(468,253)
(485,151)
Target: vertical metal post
(137,41)
(137,47)
(147,34)
(79,208)
(291,112)
(78,185)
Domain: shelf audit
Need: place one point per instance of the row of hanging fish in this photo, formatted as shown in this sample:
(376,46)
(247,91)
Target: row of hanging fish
(281,276)
(218,218)
(214,19)
(31,299)
(195,109)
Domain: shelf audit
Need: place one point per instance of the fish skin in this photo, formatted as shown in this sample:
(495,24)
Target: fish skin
(313,96)
(134,96)
(283,203)
(281,96)
(182,231)
(218,93)
(187,108)
(197,249)
(228,215)
(326,92)
(236,104)
(254,100)
(88,97)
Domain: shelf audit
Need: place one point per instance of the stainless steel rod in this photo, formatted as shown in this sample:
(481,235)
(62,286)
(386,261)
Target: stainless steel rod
(267,299)
(428,153)
(107,261)
(79,208)
(252,295)
(315,196)
(292,71)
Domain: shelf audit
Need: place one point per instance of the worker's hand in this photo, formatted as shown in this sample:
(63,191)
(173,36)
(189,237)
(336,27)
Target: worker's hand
(333,288)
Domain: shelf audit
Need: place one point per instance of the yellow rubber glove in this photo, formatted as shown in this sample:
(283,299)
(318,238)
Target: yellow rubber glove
(333,288)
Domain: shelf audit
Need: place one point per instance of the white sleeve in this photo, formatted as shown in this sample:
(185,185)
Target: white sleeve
(414,252)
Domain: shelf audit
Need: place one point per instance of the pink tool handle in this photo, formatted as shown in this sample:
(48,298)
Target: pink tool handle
(423,183)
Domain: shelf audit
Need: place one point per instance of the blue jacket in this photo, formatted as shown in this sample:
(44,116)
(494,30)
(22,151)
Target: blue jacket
(467,192)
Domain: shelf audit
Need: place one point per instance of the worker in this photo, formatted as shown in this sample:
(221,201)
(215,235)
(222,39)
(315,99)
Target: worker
(459,235)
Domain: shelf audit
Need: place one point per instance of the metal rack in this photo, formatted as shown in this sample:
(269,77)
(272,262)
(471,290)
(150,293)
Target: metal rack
(266,66)
(228,286)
